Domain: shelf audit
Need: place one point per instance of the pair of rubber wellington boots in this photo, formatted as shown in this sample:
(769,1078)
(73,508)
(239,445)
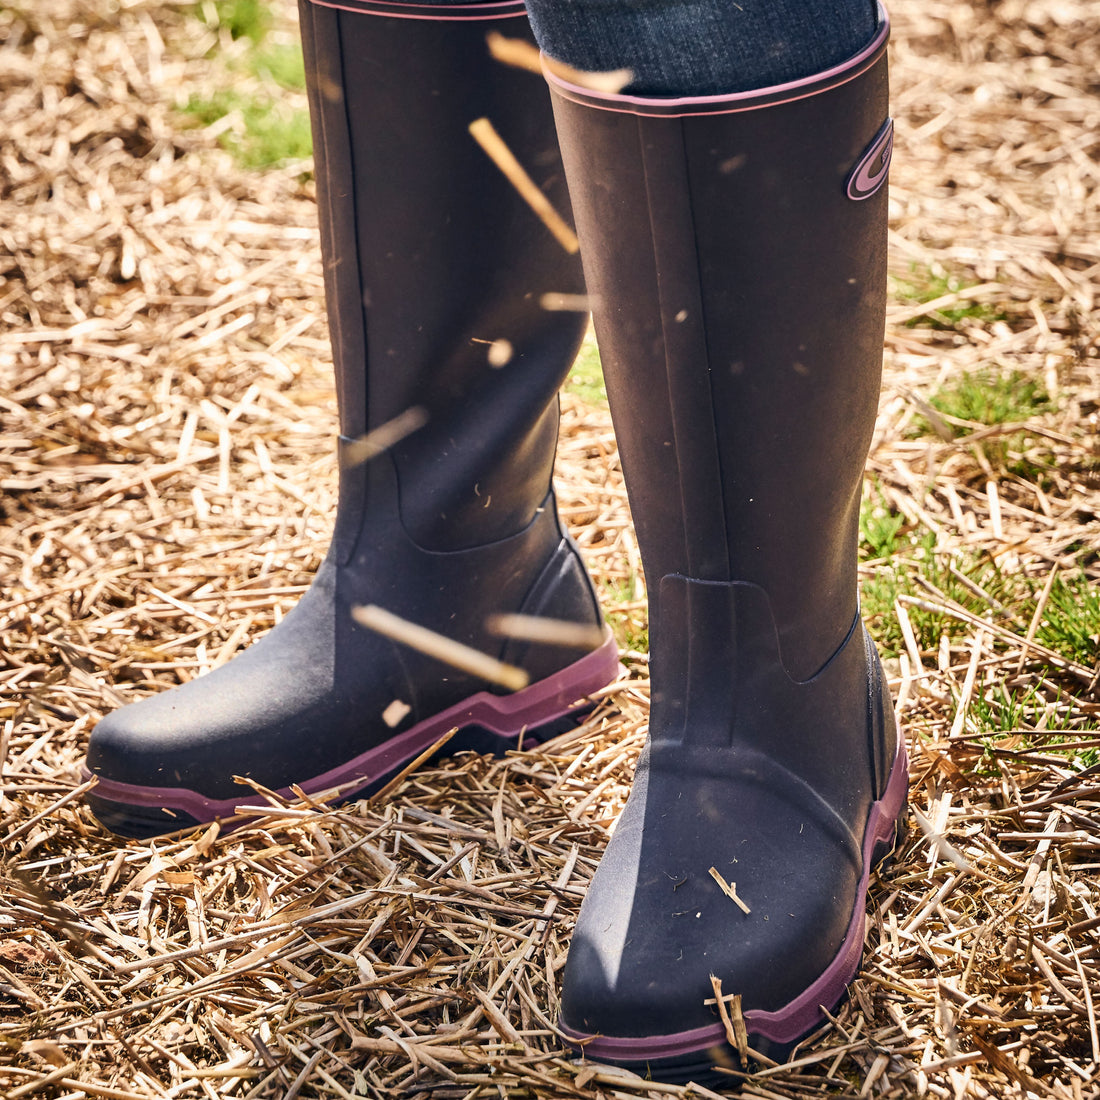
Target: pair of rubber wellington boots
(734,259)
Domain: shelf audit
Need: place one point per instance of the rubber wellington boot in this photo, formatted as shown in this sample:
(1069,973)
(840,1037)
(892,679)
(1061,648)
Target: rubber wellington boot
(735,249)
(430,255)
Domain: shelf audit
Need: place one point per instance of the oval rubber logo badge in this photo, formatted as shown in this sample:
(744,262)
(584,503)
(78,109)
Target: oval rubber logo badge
(870,173)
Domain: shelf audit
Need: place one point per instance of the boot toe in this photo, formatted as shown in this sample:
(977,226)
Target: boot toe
(246,721)
(657,924)
(312,704)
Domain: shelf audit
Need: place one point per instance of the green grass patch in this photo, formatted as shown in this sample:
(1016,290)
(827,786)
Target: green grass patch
(877,597)
(974,582)
(1070,623)
(631,628)
(990,397)
(282,64)
(1002,710)
(881,529)
(1025,719)
(265,128)
(264,133)
(586,377)
(926,285)
(249,19)
(886,538)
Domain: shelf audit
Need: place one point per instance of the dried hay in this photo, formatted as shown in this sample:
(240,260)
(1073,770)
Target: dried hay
(165,439)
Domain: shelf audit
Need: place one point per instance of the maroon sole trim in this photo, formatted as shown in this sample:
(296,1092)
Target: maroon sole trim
(505,715)
(800,1016)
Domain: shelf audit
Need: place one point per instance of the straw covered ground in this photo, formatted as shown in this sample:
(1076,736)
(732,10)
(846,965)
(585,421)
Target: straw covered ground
(166,430)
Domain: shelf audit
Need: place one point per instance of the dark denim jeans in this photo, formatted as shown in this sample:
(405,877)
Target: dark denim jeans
(702,47)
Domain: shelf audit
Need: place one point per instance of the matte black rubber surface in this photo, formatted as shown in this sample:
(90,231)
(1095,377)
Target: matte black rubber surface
(430,258)
(481,723)
(735,252)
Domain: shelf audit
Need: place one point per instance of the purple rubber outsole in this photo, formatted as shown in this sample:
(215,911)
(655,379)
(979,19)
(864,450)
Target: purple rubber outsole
(800,1016)
(507,716)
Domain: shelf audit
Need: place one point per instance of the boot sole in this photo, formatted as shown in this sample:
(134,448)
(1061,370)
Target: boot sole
(693,1055)
(484,722)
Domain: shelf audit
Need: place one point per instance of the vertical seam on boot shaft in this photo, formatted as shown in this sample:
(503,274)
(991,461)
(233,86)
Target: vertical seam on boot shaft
(699,476)
(865,93)
(361,312)
(639,130)
(343,278)
(336,134)
(721,496)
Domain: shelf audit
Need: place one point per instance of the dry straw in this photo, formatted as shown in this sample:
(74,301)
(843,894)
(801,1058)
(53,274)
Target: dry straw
(166,464)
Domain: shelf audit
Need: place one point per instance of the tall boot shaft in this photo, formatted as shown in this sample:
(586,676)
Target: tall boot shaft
(431,257)
(739,310)
(734,250)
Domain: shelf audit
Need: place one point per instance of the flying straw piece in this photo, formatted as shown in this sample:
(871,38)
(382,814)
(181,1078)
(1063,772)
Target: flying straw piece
(561,632)
(730,890)
(523,55)
(441,648)
(383,437)
(571,303)
(500,353)
(395,713)
(493,144)
(514,51)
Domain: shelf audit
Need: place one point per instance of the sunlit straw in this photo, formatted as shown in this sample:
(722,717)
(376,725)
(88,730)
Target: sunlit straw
(440,647)
(486,136)
(384,436)
(523,55)
(559,632)
(573,303)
